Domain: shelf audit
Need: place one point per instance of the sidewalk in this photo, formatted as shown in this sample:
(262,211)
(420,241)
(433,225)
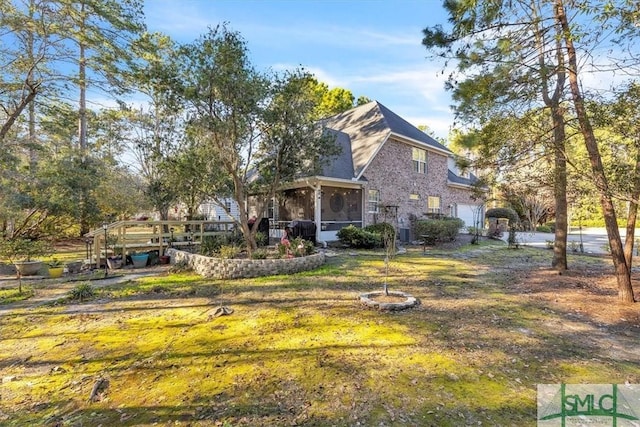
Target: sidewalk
(49,290)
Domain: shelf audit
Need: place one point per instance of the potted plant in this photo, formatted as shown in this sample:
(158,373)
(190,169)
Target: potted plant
(114,262)
(20,251)
(56,268)
(74,267)
(139,260)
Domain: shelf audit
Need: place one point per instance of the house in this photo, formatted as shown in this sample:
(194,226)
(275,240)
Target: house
(388,171)
(215,212)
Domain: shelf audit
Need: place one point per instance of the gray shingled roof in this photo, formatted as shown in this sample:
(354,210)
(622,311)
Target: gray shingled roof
(361,131)
(400,126)
(452,177)
(342,166)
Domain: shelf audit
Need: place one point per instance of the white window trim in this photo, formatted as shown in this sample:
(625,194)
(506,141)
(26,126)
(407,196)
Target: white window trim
(373,203)
(419,160)
(434,209)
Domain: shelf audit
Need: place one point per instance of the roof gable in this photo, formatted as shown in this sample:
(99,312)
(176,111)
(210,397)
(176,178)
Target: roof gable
(342,165)
(401,127)
(367,128)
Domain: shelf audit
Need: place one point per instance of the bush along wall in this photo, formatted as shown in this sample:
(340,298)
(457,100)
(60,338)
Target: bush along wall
(359,238)
(438,230)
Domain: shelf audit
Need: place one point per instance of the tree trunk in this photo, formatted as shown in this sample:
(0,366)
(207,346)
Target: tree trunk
(24,101)
(33,159)
(82,85)
(553,102)
(622,270)
(630,236)
(632,215)
(559,261)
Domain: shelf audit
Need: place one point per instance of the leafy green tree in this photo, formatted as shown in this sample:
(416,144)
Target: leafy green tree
(102,33)
(516,56)
(363,100)
(335,101)
(256,132)
(159,142)
(23,50)
(330,102)
(509,68)
(576,41)
(618,130)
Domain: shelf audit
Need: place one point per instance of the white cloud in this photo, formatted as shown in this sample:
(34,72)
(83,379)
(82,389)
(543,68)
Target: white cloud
(422,80)
(438,124)
(321,74)
(334,36)
(182,20)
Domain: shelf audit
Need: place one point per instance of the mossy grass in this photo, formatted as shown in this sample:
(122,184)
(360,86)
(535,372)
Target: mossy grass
(12,294)
(299,349)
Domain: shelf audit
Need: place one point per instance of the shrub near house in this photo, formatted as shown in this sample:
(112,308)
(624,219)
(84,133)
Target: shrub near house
(359,238)
(438,230)
(372,236)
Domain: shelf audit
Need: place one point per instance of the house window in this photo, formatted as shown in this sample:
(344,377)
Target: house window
(419,160)
(374,201)
(270,213)
(433,204)
(227,205)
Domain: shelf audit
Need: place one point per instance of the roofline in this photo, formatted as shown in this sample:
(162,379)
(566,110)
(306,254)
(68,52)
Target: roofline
(422,144)
(464,186)
(458,185)
(373,156)
(325,180)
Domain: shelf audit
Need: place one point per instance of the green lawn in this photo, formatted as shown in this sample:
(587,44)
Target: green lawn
(300,350)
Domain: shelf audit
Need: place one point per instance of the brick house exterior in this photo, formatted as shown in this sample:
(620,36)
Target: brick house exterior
(388,171)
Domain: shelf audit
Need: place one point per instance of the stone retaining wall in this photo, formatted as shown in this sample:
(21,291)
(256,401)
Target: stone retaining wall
(219,268)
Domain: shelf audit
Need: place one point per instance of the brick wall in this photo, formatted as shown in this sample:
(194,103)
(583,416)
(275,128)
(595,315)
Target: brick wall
(391,172)
(219,268)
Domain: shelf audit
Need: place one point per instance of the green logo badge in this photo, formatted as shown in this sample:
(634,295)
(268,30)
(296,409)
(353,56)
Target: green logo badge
(616,405)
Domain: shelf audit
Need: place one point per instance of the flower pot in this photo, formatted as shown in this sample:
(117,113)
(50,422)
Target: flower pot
(74,267)
(55,272)
(139,260)
(29,268)
(164,259)
(114,263)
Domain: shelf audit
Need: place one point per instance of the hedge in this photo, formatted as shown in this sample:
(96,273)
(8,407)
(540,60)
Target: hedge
(503,213)
(359,238)
(439,230)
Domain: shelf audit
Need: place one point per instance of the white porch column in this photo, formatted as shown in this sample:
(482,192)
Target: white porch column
(317,210)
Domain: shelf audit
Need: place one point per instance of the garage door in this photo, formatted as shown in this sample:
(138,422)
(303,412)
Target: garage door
(469,214)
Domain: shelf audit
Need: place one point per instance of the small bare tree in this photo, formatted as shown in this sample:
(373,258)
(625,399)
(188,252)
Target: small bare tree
(389,241)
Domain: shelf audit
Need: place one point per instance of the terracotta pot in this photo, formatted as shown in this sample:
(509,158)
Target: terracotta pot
(164,259)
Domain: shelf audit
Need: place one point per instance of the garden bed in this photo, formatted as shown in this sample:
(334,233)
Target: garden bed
(222,268)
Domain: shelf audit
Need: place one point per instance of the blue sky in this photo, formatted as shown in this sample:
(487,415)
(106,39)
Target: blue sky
(371,47)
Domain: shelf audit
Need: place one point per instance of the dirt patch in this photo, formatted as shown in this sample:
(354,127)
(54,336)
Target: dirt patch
(387,298)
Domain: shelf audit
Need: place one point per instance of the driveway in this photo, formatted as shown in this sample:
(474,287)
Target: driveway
(594,240)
